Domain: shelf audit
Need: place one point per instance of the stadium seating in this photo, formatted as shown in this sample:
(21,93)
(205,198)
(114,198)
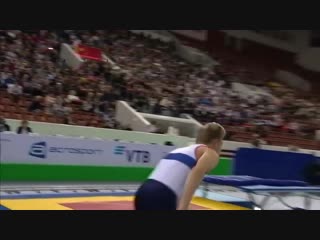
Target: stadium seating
(146,66)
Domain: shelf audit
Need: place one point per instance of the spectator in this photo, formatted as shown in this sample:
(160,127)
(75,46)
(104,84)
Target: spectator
(293,127)
(36,105)
(58,106)
(15,90)
(68,120)
(9,79)
(293,148)
(3,76)
(257,141)
(72,97)
(67,109)
(24,128)
(88,105)
(49,102)
(4,127)
(168,143)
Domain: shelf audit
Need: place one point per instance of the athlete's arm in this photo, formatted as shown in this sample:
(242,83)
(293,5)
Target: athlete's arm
(206,163)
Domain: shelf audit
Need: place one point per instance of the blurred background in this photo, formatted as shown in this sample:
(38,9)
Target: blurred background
(69,98)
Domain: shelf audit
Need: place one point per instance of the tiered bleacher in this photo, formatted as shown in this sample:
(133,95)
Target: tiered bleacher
(37,85)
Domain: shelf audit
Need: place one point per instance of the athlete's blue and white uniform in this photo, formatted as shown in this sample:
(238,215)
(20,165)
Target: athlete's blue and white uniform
(164,187)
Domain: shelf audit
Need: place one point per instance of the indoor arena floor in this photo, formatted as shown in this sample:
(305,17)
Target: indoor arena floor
(99,203)
(119,196)
(84,197)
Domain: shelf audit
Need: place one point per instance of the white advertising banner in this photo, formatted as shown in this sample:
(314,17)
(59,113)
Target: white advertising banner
(75,151)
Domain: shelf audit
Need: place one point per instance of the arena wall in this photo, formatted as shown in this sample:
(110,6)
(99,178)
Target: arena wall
(62,158)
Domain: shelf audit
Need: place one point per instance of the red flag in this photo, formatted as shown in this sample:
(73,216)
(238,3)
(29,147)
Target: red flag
(88,52)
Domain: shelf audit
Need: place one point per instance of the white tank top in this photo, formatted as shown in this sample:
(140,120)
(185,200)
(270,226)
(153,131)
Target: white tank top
(174,169)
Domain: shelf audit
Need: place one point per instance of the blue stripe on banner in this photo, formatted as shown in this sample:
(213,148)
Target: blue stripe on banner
(183,158)
(118,152)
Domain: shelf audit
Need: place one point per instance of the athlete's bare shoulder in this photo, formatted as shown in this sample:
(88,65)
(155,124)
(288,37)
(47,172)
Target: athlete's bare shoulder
(207,159)
(200,150)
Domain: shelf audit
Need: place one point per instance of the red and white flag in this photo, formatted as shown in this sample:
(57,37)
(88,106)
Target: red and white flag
(88,52)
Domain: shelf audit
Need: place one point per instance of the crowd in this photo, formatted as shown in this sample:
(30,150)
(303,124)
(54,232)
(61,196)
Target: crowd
(30,66)
(150,76)
(162,83)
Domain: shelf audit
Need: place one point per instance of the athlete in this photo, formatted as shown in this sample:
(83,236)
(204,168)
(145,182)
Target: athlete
(175,179)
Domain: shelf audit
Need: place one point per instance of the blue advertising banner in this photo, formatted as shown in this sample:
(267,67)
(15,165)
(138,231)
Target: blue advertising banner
(271,164)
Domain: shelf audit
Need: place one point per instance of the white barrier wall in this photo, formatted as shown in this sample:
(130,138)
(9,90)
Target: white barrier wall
(153,34)
(72,59)
(201,35)
(187,127)
(140,137)
(104,133)
(260,38)
(310,59)
(129,117)
(246,90)
(293,80)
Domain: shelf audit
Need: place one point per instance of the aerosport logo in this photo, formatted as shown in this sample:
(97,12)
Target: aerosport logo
(41,150)
(38,150)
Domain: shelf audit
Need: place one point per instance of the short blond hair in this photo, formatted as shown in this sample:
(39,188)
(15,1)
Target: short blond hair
(209,132)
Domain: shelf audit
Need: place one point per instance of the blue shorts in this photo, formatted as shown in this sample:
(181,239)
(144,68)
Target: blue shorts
(154,195)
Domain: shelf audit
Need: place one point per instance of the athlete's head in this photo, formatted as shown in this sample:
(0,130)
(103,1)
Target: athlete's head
(212,135)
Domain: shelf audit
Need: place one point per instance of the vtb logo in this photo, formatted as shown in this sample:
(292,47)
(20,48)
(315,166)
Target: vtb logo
(133,155)
(38,150)
(119,150)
